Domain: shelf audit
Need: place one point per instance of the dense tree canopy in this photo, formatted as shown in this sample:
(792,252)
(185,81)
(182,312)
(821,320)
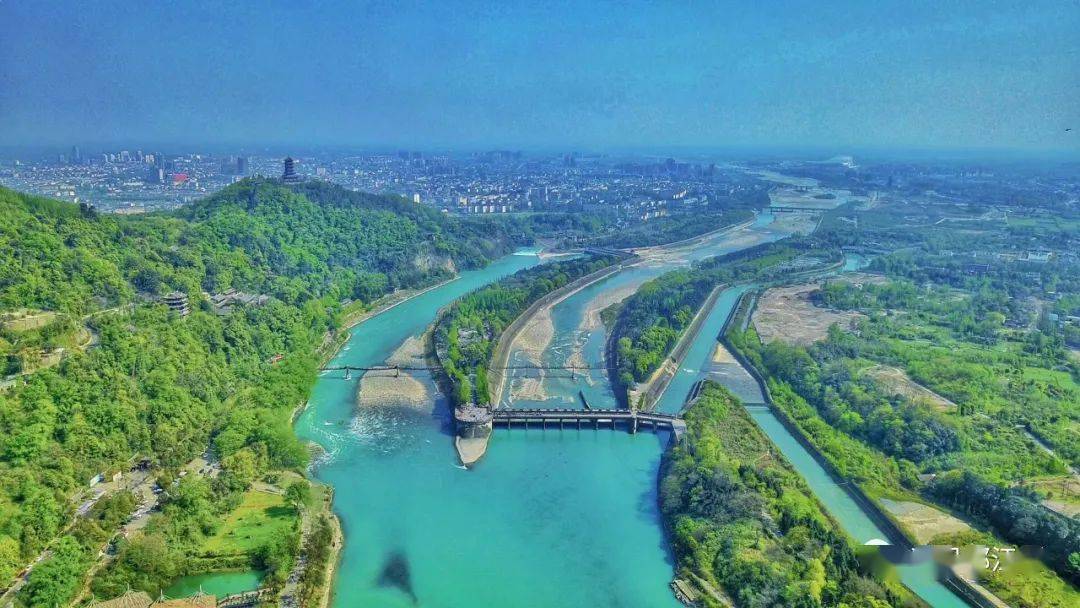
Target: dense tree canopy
(740,516)
(153,383)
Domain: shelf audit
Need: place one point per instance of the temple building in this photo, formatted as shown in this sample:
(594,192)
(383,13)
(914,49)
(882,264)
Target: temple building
(290,176)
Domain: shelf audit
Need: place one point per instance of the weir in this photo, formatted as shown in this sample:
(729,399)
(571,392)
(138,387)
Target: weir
(632,420)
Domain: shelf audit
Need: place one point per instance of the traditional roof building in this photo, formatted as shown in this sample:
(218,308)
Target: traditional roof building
(289,176)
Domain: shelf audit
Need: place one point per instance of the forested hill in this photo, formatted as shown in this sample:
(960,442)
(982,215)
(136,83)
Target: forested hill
(92,383)
(256,235)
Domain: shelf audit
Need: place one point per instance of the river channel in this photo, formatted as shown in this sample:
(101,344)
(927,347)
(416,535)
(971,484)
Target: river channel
(548,518)
(918,570)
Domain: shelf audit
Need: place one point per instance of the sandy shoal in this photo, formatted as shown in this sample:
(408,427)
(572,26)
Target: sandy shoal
(412,389)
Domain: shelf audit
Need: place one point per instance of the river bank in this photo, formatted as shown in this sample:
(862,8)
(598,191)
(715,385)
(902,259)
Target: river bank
(858,514)
(538,317)
(645,395)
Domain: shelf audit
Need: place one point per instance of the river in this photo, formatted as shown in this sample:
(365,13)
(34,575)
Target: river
(547,518)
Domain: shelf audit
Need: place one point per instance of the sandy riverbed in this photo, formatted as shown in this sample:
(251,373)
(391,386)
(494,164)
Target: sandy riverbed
(530,345)
(412,389)
(591,321)
(802,223)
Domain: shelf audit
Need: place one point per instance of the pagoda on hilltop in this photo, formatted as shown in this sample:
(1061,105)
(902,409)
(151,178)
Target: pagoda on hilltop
(289,176)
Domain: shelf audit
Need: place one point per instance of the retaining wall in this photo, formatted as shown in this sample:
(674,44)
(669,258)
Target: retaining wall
(895,535)
(501,355)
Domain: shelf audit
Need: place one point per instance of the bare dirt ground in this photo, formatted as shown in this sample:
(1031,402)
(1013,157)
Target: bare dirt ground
(1064,494)
(924,521)
(413,389)
(803,223)
(861,278)
(788,315)
(25,320)
(897,382)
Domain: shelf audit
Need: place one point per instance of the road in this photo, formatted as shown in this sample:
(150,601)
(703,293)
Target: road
(139,482)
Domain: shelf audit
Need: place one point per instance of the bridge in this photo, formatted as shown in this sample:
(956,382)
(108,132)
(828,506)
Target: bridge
(631,419)
(799,209)
(397,369)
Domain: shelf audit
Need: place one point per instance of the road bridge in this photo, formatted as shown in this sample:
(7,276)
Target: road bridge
(794,209)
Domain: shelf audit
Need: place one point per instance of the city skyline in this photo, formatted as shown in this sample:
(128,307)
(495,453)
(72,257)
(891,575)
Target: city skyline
(970,76)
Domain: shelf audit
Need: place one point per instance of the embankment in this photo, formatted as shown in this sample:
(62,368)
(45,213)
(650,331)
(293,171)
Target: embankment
(895,535)
(645,397)
(699,238)
(501,354)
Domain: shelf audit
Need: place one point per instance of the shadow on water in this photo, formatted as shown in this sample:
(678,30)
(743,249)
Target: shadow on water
(648,507)
(395,573)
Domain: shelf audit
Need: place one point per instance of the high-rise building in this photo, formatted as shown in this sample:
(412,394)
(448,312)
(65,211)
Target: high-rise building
(241,165)
(289,176)
(76,155)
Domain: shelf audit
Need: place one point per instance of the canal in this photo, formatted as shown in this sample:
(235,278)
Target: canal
(708,359)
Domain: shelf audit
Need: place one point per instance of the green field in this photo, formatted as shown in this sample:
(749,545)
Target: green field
(260,518)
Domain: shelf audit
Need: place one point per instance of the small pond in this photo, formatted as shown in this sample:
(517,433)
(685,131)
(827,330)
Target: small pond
(215,583)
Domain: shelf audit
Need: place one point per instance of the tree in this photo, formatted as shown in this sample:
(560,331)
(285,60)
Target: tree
(298,494)
(53,582)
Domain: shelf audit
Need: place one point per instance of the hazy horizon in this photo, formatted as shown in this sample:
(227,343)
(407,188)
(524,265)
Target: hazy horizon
(973,78)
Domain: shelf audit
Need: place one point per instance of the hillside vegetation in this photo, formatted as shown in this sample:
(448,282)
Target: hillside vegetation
(164,387)
(742,519)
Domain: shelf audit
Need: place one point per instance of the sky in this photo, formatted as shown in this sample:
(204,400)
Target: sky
(543,74)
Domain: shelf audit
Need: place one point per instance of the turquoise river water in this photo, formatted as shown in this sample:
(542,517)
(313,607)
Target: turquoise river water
(555,518)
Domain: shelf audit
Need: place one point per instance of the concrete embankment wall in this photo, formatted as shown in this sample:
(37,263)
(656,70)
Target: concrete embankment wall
(501,354)
(661,378)
(702,237)
(894,533)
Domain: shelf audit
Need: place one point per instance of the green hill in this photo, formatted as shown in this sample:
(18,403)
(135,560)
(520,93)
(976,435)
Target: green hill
(163,386)
(257,235)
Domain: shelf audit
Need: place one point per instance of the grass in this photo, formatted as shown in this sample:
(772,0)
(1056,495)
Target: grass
(261,517)
(1030,584)
(26,320)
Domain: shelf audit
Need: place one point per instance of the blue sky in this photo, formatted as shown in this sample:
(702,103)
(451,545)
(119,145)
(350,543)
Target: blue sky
(599,75)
